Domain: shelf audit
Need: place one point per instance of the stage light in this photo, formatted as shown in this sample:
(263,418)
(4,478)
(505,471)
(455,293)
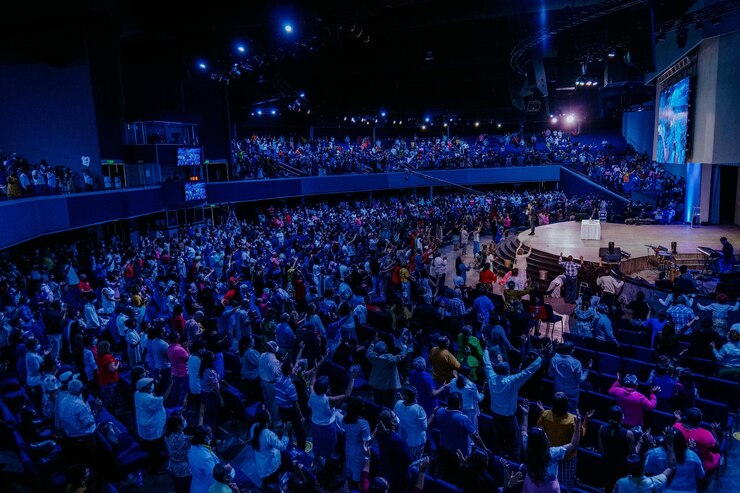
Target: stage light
(554,119)
(259,112)
(588,82)
(423,127)
(394,122)
(611,54)
(476,124)
(498,125)
(345,118)
(253,113)
(353,119)
(273,112)
(288,28)
(445,125)
(303,94)
(383,113)
(241,49)
(202,65)
(426,119)
(570,118)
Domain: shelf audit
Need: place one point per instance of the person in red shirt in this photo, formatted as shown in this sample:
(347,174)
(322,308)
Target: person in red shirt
(178,320)
(84,285)
(707,445)
(487,276)
(107,376)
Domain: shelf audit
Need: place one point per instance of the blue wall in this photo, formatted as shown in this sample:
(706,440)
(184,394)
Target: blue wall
(22,220)
(48,113)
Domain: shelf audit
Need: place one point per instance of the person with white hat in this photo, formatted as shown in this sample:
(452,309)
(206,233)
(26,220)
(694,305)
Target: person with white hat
(151,418)
(64,380)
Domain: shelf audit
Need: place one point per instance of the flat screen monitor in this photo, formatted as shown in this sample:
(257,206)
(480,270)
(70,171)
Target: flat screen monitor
(195,191)
(188,156)
(673,122)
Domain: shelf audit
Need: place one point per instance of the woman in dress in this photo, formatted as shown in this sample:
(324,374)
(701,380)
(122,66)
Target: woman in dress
(178,446)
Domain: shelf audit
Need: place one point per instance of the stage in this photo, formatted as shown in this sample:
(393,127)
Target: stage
(566,238)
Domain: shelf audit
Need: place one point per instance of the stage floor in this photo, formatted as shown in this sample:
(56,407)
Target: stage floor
(566,238)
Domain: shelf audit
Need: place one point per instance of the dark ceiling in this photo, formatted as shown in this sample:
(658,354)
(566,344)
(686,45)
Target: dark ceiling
(408,56)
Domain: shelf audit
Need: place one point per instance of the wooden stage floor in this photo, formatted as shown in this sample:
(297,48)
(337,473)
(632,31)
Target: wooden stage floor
(566,237)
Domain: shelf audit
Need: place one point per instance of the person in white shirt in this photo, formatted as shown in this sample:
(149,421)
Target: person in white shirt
(269,371)
(412,419)
(151,418)
(268,448)
(610,287)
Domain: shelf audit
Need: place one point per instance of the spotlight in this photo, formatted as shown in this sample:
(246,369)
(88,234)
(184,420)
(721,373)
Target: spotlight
(476,124)
(423,127)
(288,28)
(394,122)
(241,49)
(554,119)
(588,82)
(303,94)
(202,65)
(345,118)
(570,118)
(498,125)
(259,112)
(426,119)
(445,125)
(611,54)
(383,113)
(273,112)
(353,119)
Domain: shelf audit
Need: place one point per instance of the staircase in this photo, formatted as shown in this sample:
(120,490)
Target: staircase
(538,260)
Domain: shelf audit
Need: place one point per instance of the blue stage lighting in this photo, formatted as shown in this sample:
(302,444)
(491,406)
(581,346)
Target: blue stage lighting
(303,94)
(273,112)
(202,65)
(259,112)
(383,113)
(288,28)
(426,119)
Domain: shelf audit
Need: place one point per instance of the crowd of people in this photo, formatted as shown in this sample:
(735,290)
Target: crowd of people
(350,334)
(19,178)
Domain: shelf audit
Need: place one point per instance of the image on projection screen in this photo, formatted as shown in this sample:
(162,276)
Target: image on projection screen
(673,122)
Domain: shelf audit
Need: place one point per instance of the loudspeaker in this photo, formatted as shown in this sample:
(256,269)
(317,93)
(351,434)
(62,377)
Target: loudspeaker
(614,255)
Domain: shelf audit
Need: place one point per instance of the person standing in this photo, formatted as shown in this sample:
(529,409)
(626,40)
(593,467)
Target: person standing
(504,388)
(568,373)
(632,401)
(286,400)
(727,262)
(571,277)
(384,377)
(412,421)
(532,213)
(269,372)
(151,418)
(178,357)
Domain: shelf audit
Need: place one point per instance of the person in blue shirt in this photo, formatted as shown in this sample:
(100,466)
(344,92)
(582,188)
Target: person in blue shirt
(504,388)
(655,325)
(568,374)
(689,468)
(284,335)
(603,332)
(483,307)
(456,433)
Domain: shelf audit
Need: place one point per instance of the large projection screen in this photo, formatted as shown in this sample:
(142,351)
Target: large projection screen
(673,122)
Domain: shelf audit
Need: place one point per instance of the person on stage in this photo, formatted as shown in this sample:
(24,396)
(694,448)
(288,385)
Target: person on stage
(727,262)
(532,213)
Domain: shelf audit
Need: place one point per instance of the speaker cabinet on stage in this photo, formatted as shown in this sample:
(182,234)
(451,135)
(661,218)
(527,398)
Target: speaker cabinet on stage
(614,256)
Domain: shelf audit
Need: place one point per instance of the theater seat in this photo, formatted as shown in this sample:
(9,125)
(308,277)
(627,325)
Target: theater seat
(122,458)
(589,469)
